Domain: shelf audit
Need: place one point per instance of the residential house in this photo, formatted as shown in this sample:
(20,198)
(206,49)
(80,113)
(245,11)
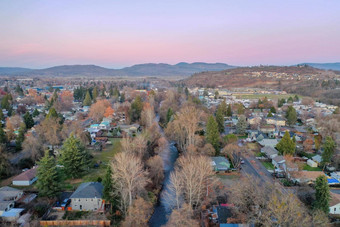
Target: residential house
(268,142)
(279,162)
(270,152)
(305,176)
(277,121)
(8,197)
(88,197)
(317,159)
(26,178)
(220,164)
(269,130)
(334,204)
(254,120)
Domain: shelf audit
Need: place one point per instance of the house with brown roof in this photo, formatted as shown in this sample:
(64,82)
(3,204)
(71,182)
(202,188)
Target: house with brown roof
(305,176)
(26,178)
(334,203)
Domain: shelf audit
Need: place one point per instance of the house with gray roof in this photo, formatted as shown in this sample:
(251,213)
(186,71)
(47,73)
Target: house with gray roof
(270,152)
(88,197)
(220,164)
(8,197)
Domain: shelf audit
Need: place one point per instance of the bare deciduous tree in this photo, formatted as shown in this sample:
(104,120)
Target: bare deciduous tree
(156,171)
(130,177)
(233,151)
(182,217)
(138,214)
(183,128)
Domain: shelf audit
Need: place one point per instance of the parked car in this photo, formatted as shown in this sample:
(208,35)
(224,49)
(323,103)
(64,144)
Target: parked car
(65,202)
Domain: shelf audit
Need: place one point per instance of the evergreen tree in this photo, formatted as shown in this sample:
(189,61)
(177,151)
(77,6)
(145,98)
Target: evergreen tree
(49,179)
(36,113)
(329,149)
(270,114)
(20,138)
(3,138)
(241,125)
(111,90)
(220,119)
(169,115)
(2,116)
(28,120)
(291,115)
(95,93)
(229,111)
(216,95)
(108,185)
(224,108)
(212,134)
(19,90)
(240,109)
(290,100)
(74,157)
(296,98)
(103,91)
(186,91)
(322,194)
(116,92)
(272,109)
(286,146)
(87,101)
(136,109)
(5,104)
(122,98)
(205,92)
(52,113)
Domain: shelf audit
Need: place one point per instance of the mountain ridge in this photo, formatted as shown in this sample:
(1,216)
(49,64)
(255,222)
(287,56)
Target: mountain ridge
(148,69)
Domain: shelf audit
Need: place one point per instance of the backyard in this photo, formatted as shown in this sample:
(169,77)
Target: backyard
(102,158)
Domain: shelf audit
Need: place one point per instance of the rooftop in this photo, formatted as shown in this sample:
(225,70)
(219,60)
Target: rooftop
(88,190)
(27,175)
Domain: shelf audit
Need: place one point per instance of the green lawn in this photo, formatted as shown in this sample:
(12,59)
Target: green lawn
(269,96)
(268,165)
(260,154)
(308,168)
(105,156)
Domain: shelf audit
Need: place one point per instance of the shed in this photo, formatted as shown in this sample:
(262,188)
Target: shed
(26,178)
(311,163)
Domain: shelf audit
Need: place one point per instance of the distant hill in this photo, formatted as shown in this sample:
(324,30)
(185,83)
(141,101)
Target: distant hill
(13,70)
(326,66)
(151,69)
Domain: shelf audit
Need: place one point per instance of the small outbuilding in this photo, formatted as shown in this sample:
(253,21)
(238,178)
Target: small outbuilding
(26,178)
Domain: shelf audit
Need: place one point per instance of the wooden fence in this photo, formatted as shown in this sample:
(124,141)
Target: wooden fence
(76,223)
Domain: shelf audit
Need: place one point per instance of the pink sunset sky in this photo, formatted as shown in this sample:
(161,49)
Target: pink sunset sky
(117,33)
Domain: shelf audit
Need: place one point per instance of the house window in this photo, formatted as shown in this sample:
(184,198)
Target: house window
(81,207)
(334,209)
(79,200)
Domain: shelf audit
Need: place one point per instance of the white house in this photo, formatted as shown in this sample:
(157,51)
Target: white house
(311,163)
(26,178)
(279,162)
(88,197)
(334,205)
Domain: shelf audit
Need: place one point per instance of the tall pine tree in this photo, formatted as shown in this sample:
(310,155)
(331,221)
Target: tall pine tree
(322,194)
(87,101)
(229,111)
(49,179)
(28,119)
(212,134)
(220,119)
(74,157)
(286,146)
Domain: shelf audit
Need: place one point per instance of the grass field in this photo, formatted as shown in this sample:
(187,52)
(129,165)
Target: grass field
(93,174)
(269,96)
(308,168)
(268,165)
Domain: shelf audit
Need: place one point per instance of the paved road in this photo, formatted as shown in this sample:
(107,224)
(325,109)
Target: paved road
(254,167)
